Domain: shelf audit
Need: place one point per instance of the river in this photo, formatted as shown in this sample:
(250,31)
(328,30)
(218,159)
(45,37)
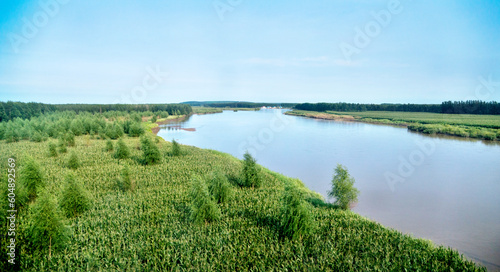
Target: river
(438,188)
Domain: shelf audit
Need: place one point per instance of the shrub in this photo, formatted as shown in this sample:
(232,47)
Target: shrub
(251,177)
(153,119)
(343,189)
(123,182)
(62,145)
(203,209)
(296,217)
(109,145)
(52,150)
(73,162)
(74,200)
(176,148)
(32,178)
(151,153)
(46,228)
(70,139)
(219,186)
(136,130)
(121,151)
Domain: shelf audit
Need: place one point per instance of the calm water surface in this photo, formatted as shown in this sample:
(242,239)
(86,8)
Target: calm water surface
(443,189)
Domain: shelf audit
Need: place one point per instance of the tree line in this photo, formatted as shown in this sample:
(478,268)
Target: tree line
(11,110)
(237,104)
(450,107)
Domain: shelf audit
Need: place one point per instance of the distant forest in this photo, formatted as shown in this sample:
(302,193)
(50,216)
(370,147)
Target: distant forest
(456,107)
(237,104)
(10,110)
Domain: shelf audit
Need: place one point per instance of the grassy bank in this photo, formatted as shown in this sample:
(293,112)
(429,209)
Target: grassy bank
(149,229)
(462,125)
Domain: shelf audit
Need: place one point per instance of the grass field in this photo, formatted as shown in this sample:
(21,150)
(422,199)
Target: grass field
(485,127)
(148,229)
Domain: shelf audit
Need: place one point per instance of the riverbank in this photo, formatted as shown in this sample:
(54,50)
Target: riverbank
(485,127)
(247,236)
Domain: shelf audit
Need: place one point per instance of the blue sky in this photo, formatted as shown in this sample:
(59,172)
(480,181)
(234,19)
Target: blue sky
(366,51)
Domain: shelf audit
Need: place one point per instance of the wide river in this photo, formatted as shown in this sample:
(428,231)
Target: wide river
(439,188)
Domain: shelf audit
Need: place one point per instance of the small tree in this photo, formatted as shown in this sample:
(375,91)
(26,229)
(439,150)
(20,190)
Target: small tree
(46,227)
(73,162)
(251,177)
(219,187)
(343,189)
(203,208)
(109,145)
(296,217)
(32,178)
(70,139)
(151,153)
(62,145)
(153,119)
(52,150)
(123,182)
(121,151)
(74,200)
(176,148)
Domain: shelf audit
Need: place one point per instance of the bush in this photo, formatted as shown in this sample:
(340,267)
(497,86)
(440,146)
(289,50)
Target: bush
(32,178)
(153,119)
(343,189)
(136,130)
(251,177)
(70,139)
(109,145)
(296,217)
(52,150)
(73,162)
(219,187)
(62,145)
(46,229)
(123,182)
(121,151)
(74,200)
(176,148)
(203,209)
(151,153)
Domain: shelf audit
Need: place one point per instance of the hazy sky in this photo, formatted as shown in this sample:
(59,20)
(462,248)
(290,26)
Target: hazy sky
(120,51)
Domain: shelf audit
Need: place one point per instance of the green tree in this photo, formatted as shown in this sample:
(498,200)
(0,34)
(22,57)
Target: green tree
(109,145)
(62,145)
(73,162)
(136,130)
(153,119)
(46,228)
(31,177)
(219,186)
(251,177)
(203,208)
(52,150)
(121,150)
(123,182)
(343,189)
(70,139)
(176,148)
(151,153)
(296,216)
(74,200)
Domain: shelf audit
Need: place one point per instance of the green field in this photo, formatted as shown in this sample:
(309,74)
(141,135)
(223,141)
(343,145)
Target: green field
(149,227)
(487,121)
(485,127)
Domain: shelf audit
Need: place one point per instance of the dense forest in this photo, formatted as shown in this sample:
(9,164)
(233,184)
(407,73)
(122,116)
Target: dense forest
(11,110)
(456,107)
